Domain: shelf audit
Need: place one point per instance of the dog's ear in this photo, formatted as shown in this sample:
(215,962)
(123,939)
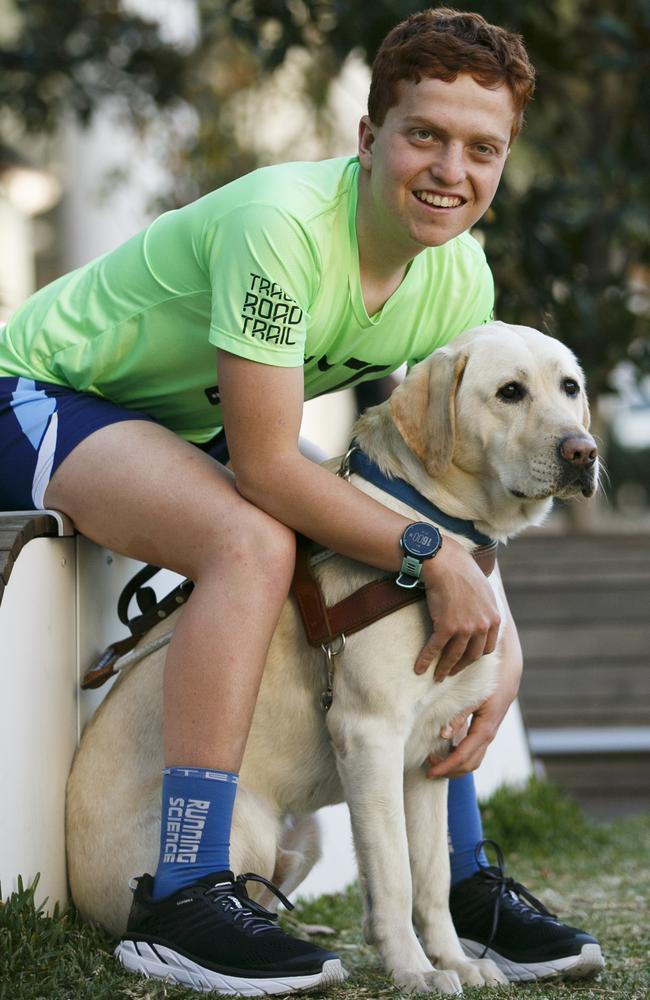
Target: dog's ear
(423,408)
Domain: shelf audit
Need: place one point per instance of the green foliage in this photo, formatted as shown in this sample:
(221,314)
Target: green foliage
(71,56)
(606,892)
(568,236)
(56,957)
(338,910)
(37,948)
(573,211)
(539,819)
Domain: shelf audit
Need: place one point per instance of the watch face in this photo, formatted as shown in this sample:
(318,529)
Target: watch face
(421,540)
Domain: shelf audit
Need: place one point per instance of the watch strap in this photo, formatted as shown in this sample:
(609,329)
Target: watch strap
(409,574)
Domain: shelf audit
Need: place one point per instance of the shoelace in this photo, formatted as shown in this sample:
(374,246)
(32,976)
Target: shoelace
(252,915)
(505,885)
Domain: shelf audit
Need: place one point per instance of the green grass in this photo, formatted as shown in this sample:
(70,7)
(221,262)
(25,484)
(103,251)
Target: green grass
(595,877)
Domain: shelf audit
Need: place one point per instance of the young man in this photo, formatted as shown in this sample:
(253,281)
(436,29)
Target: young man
(228,313)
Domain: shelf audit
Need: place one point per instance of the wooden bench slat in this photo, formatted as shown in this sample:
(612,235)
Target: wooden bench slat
(590,683)
(582,607)
(626,772)
(586,641)
(587,559)
(6,565)
(552,605)
(593,715)
(16,530)
(589,740)
(564,710)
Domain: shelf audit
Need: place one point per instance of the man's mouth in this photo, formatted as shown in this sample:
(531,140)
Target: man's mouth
(438,200)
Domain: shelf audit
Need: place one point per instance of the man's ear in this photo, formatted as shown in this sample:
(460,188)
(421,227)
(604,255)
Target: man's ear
(366,142)
(423,408)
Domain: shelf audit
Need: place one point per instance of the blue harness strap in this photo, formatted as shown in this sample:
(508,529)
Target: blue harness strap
(401,490)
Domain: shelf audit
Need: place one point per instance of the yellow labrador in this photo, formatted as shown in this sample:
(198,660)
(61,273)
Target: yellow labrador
(489,429)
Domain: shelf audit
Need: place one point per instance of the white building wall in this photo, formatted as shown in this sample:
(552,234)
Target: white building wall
(16,258)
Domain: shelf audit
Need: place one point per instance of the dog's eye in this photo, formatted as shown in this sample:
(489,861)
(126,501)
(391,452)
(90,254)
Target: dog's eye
(511,393)
(570,386)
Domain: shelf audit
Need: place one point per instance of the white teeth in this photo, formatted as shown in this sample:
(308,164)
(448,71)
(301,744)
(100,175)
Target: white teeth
(437,200)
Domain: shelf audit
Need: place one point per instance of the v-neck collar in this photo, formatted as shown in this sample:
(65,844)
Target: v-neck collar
(356,294)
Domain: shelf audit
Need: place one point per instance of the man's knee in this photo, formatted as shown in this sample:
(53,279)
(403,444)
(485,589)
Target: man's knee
(253,541)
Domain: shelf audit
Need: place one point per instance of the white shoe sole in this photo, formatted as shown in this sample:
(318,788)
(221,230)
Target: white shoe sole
(159,962)
(583,966)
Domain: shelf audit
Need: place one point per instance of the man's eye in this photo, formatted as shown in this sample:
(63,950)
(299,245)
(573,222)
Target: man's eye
(570,386)
(512,392)
(422,133)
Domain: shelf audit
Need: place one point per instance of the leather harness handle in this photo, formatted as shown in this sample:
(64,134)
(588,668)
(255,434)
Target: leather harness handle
(323,624)
(371,602)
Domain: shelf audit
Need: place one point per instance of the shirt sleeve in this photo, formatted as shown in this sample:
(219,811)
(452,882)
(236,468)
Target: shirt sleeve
(264,271)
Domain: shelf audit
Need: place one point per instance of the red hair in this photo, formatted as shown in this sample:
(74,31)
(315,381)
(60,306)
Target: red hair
(441,43)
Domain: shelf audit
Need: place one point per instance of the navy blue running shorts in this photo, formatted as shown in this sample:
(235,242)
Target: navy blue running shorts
(41,423)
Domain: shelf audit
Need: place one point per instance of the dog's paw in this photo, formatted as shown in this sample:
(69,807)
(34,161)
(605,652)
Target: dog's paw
(490,971)
(444,983)
(478,972)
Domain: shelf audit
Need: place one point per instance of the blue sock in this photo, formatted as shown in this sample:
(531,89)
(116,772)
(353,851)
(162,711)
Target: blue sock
(197,807)
(465,828)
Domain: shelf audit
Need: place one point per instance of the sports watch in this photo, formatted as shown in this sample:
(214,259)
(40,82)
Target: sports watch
(419,541)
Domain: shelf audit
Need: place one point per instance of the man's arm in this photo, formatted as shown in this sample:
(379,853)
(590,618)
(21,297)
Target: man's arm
(487,718)
(262,407)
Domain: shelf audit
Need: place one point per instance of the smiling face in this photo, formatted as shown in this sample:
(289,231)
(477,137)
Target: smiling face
(430,171)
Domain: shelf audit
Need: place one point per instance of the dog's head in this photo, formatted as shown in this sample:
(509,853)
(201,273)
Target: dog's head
(507,405)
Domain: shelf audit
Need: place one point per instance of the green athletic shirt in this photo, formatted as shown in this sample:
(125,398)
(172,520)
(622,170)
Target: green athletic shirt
(266,268)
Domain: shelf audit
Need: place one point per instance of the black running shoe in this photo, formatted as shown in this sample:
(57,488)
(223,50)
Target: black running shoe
(498,918)
(212,936)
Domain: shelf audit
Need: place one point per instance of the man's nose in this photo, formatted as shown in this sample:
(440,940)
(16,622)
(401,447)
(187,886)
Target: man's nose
(448,167)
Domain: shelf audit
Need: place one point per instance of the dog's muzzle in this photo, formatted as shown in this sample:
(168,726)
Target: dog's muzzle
(578,454)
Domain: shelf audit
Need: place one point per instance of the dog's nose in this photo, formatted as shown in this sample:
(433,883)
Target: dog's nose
(579,449)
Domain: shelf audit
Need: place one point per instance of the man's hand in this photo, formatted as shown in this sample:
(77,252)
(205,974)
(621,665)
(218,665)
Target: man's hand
(471,743)
(463,610)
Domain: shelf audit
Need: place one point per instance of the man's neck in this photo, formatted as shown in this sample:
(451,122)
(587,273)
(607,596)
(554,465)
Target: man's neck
(382,264)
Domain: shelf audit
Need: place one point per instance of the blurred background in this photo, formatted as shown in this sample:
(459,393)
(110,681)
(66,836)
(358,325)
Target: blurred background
(112,112)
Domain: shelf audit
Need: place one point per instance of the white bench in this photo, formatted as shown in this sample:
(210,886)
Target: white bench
(58,595)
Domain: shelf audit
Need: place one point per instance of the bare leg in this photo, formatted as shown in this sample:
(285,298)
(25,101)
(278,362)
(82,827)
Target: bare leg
(138,489)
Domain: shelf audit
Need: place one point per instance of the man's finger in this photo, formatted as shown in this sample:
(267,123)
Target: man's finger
(492,639)
(430,651)
(457,763)
(456,726)
(453,652)
(474,651)
(464,758)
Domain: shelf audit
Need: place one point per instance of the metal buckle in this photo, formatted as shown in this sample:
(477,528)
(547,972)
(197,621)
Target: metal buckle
(343,470)
(330,650)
